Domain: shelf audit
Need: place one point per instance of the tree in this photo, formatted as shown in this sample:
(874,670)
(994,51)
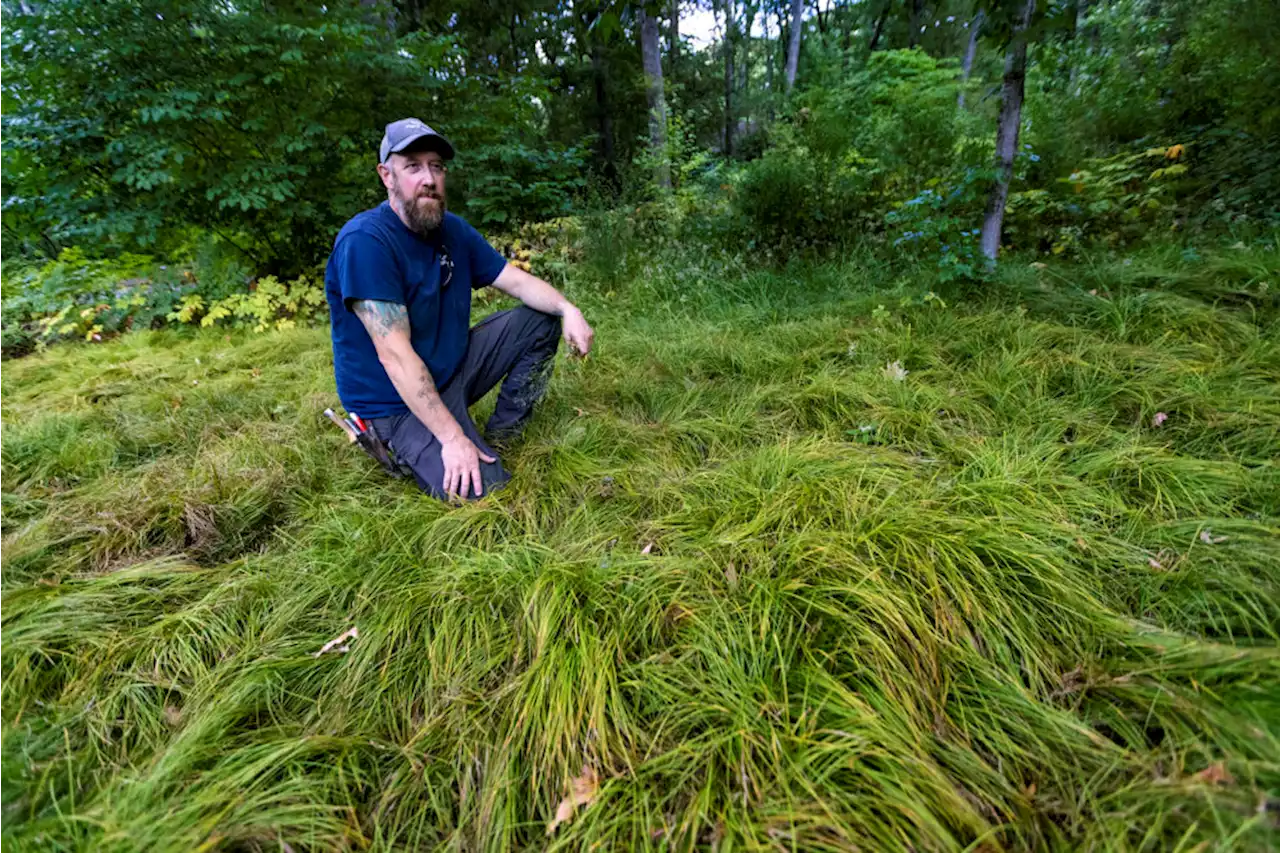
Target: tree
(1015,74)
(793,43)
(878,29)
(918,8)
(966,67)
(651,54)
(674,48)
(727,44)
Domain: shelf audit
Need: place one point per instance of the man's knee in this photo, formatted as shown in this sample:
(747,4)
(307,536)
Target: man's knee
(540,326)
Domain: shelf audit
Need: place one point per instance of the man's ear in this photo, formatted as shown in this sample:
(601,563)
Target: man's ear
(384,172)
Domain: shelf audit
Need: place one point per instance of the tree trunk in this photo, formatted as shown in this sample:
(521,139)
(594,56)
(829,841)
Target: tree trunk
(1015,74)
(918,8)
(966,67)
(793,43)
(1081,25)
(768,65)
(727,6)
(879,28)
(650,52)
(674,47)
(604,117)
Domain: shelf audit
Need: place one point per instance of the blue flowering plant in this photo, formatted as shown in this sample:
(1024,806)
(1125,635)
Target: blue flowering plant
(939,226)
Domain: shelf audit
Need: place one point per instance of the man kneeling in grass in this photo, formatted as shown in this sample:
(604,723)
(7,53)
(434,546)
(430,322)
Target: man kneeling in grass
(399,287)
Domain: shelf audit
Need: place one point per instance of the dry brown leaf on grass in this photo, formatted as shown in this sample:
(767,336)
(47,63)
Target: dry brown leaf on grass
(339,643)
(582,790)
(1215,774)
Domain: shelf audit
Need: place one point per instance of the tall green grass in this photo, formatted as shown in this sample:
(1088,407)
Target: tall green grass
(774,594)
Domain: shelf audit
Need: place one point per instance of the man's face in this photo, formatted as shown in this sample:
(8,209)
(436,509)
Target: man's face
(415,188)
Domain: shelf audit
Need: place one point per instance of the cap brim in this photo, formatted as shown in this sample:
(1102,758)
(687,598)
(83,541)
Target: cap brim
(429,141)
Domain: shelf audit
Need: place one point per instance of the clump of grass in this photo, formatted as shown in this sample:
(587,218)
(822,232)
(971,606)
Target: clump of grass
(771,593)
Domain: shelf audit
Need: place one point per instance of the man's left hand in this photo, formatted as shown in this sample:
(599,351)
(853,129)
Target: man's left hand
(577,333)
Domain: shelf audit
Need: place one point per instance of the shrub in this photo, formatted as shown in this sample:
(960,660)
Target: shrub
(792,197)
(511,183)
(1112,201)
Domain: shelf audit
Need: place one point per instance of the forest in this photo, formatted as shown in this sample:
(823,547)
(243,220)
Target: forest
(921,492)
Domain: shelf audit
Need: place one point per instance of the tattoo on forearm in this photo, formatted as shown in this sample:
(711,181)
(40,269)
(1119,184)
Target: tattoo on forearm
(427,391)
(381,318)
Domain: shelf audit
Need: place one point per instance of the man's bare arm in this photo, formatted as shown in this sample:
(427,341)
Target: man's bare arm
(540,296)
(388,325)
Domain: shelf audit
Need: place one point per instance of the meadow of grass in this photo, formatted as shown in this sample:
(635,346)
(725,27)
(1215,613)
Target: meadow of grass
(798,560)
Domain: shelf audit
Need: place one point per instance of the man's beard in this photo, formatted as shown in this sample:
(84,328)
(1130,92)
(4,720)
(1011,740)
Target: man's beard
(422,214)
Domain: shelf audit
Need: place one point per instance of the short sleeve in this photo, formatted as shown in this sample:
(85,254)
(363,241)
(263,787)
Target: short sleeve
(366,269)
(486,263)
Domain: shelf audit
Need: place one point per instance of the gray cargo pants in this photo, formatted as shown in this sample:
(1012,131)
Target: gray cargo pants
(520,345)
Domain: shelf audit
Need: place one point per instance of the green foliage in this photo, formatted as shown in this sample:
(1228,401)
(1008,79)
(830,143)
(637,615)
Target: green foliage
(790,197)
(269,304)
(898,111)
(936,226)
(74,297)
(79,298)
(1112,201)
(126,123)
(509,184)
(851,149)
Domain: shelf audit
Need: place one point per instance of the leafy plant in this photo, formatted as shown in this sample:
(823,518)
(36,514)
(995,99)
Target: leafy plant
(940,226)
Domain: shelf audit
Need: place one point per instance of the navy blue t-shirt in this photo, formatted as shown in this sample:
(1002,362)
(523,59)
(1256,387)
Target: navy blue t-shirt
(377,257)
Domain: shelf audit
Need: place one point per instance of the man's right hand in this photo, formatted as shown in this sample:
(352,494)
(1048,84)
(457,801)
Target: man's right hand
(461,460)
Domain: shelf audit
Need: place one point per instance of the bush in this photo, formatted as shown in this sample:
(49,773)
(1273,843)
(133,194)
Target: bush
(77,298)
(939,226)
(1111,201)
(257,122)
(512,183)
(790,197)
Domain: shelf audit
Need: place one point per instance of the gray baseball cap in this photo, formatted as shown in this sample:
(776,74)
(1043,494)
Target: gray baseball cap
(401,134)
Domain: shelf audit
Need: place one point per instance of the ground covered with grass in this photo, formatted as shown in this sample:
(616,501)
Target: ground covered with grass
(800,560)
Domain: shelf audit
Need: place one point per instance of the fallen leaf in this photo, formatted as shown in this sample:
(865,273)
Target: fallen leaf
(1214,774)
(582,790)
(172,715)
(731,574)
(1093,292)
(1159,419)
(582,413)
(647,548)
(1155,564)
(1030,790)
(1207,537)
(339,643)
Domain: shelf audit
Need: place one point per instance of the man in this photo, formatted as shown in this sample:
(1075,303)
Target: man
(399,287)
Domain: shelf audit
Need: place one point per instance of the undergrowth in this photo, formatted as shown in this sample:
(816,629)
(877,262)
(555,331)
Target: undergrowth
(802,560)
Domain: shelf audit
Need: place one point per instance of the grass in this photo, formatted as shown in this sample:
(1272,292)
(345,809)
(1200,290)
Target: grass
(770,595)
